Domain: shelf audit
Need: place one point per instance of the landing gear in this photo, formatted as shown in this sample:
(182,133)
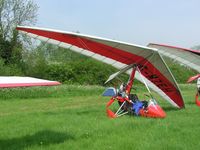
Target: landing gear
(142,108)
(130,103)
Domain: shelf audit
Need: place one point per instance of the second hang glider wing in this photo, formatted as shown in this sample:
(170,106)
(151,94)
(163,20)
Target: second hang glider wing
(119,55)
(14,81)
(187,57)
(193,78)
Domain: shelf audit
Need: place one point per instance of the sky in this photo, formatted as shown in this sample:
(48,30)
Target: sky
(173,22)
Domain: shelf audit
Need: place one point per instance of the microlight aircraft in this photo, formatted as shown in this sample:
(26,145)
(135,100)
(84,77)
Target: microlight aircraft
(184,56)
(149,66)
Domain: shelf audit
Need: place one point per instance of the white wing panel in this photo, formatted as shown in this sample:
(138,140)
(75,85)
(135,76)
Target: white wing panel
(109,61)
(44,39)
(65,45)
(98,57)
(32,35)
(76,49)
(87,53)
(118,65)
(55,42)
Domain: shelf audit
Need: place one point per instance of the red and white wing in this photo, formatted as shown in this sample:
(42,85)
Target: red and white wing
(119,55)
(193,78)
(11,82)
(187,57)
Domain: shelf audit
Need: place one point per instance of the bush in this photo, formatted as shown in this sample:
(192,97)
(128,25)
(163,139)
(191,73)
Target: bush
(60,72)
(10,69)
(84,72)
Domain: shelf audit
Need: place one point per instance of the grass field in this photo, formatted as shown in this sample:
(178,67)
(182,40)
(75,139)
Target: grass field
(73,117)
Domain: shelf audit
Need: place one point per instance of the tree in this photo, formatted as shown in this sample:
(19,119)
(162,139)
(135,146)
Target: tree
(13,13)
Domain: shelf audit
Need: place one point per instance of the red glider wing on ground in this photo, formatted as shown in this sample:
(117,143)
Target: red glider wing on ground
(12,82)
(193,78)
(187,57)
(119,55)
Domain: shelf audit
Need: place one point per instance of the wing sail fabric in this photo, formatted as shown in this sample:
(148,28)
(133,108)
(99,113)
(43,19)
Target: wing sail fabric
(119,55)
(187,57)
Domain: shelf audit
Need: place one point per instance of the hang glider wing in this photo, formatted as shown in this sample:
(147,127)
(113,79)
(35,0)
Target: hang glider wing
(193,78)
(187,57)
(11,82)
(119,55)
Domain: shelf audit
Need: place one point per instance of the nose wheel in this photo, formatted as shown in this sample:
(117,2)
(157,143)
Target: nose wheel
(197,101)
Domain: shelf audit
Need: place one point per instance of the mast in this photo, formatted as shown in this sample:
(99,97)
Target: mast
(130,81)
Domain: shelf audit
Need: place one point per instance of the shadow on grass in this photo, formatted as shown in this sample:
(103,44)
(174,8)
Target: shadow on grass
(169,108)
(42,138)
(191,103)
(86,112)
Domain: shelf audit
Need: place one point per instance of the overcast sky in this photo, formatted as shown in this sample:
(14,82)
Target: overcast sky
(174,22)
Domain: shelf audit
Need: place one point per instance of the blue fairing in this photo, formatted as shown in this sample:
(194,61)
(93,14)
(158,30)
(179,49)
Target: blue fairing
(110,92)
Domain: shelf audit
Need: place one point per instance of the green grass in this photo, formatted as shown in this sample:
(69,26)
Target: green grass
(73,117)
